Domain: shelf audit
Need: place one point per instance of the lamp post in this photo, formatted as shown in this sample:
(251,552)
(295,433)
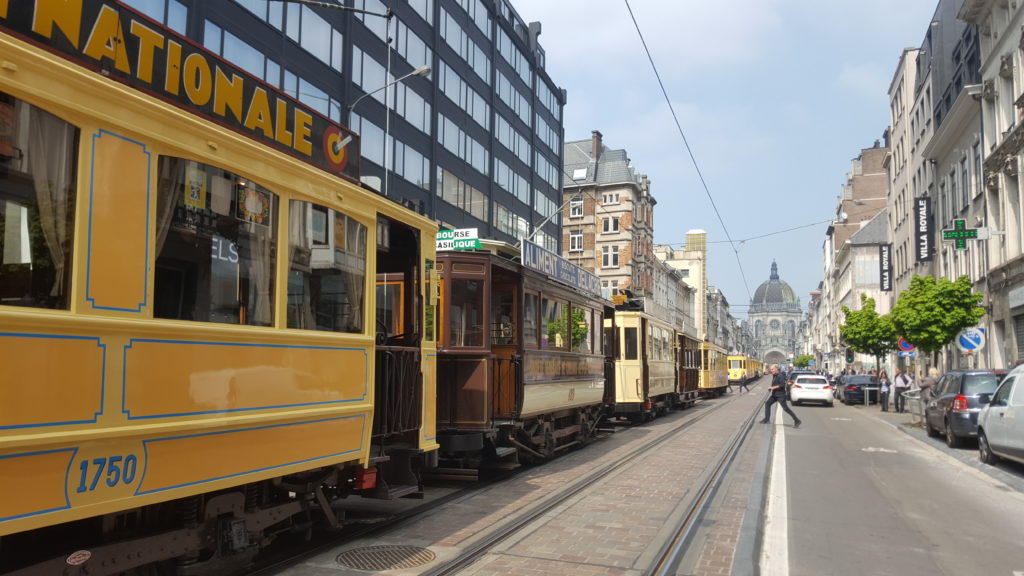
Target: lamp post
(422,71)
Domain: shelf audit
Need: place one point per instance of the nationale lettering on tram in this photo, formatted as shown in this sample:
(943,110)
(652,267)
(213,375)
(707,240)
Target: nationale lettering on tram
(129,48)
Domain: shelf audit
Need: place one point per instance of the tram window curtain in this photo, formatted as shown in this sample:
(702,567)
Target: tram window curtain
(327,273)
(37,201)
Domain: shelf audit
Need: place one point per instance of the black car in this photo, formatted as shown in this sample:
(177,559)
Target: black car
(850,388)
(953,408)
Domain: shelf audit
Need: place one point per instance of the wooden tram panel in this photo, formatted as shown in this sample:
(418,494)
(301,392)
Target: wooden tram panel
(108,408)
(503,385)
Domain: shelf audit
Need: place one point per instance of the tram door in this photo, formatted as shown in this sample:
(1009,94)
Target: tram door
(398,400)
(504,334)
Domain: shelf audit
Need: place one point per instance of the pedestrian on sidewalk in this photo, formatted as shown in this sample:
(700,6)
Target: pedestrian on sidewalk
(884,385)
(777,393)
(928,384)
(901,384)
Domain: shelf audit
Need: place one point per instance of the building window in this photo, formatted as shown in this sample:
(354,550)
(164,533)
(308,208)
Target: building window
(610,199)
(610,225)
(609,257)
(575,208)
(575,241)
(169,12)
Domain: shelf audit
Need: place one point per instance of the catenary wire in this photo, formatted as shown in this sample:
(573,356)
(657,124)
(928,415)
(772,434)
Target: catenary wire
(689,151)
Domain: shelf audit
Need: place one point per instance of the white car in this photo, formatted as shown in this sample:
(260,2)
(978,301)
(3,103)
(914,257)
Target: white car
(811,388)
(1001,421)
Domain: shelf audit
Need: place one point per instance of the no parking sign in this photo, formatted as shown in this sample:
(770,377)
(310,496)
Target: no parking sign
(971,340)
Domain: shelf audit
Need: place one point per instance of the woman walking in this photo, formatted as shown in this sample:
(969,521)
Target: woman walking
(884,385)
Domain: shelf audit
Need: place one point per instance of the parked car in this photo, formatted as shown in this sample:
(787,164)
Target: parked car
(811,388)
(850,389)
(1001,421)
(953,408)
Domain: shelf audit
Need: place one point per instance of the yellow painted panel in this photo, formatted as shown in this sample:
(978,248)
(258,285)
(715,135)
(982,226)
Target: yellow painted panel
(200,458)
(428,430)
(33,483)
(36,390)
(118,217)
(172,378)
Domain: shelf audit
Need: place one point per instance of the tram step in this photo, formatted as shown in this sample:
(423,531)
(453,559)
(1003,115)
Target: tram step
(402,490)
(504,451)
(607,430)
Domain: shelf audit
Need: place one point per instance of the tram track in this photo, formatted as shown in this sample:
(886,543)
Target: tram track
(668,557)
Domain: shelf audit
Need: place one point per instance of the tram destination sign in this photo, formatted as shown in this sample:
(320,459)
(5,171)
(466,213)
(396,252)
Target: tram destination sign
(112,39)
(460,239)
(558,268)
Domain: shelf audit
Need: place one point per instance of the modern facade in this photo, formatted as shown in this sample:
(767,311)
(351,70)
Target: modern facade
(476,143)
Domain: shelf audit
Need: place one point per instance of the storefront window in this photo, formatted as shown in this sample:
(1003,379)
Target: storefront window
(37,205)
(215,244)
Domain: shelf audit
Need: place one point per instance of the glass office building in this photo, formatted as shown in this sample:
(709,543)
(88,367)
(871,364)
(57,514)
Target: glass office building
(476,144)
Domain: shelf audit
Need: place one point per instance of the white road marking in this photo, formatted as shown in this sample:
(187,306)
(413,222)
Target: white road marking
(775,547)
(884,450)
(843,419)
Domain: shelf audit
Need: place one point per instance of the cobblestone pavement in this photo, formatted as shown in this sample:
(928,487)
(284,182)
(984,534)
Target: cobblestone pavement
(615,527)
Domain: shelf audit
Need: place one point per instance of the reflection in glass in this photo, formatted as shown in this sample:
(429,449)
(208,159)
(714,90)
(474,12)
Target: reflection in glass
(326,269)
(554,325)
(215,239)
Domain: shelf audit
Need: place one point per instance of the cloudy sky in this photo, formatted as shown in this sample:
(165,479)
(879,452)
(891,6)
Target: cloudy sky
(774,97)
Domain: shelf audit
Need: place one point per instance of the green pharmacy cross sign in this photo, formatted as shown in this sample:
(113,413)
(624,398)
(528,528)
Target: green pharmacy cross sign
(960,234)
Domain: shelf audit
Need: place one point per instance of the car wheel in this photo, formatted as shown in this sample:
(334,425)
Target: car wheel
(952,440)
(984,450)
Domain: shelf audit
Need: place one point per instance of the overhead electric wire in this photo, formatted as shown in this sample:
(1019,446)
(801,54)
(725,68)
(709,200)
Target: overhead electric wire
(679,127)
(777,232)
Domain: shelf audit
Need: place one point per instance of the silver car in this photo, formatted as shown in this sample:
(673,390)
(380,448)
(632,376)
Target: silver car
(1001,421)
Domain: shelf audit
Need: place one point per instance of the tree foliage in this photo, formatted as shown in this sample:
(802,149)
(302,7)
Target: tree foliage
(930,313)
(803,361)
(867,332)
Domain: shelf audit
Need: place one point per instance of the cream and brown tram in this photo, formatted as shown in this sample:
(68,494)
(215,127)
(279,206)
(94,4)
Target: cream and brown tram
(520,363)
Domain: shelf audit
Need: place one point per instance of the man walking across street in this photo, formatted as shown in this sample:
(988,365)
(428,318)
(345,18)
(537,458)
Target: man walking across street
(901,385)
(777,393)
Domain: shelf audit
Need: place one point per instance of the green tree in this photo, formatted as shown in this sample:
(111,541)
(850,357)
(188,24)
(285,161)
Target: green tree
(556,330)
(867,332)
(803,361)
(930,313)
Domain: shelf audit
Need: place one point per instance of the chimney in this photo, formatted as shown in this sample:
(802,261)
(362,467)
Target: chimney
(595,144)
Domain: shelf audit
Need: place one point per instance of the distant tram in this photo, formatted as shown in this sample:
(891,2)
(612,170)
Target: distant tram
(743,369)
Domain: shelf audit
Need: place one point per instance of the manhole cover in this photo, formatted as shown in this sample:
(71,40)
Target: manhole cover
(385,557)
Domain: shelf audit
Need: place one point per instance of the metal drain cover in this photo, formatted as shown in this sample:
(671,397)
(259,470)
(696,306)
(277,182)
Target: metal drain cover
(385,557)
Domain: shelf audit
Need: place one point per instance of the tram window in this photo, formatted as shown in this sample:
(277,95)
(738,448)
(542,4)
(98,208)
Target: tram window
(631,344)
(596,334)
(530,320)
(326,269)
(581,329)
(466,313)
(216,236)
(502,313)
(37,205)
(554,329)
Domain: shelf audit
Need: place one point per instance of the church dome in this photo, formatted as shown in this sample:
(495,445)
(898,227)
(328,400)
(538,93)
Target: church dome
(774,295)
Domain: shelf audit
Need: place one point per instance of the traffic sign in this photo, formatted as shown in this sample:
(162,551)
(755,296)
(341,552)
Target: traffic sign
(907,353)
(905,346)
(971,340)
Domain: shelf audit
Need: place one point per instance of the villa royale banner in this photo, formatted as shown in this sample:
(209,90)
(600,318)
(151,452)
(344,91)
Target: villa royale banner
(923,228)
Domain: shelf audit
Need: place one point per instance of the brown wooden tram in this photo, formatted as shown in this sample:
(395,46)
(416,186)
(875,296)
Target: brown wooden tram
(520,360)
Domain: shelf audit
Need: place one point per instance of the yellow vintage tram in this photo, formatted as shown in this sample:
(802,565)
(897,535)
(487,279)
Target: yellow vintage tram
(190,361)
(714,370)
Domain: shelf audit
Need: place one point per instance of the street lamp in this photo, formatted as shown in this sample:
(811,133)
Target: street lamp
(422,71)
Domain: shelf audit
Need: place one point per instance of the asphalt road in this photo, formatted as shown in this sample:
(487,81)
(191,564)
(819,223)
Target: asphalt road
(854,494)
